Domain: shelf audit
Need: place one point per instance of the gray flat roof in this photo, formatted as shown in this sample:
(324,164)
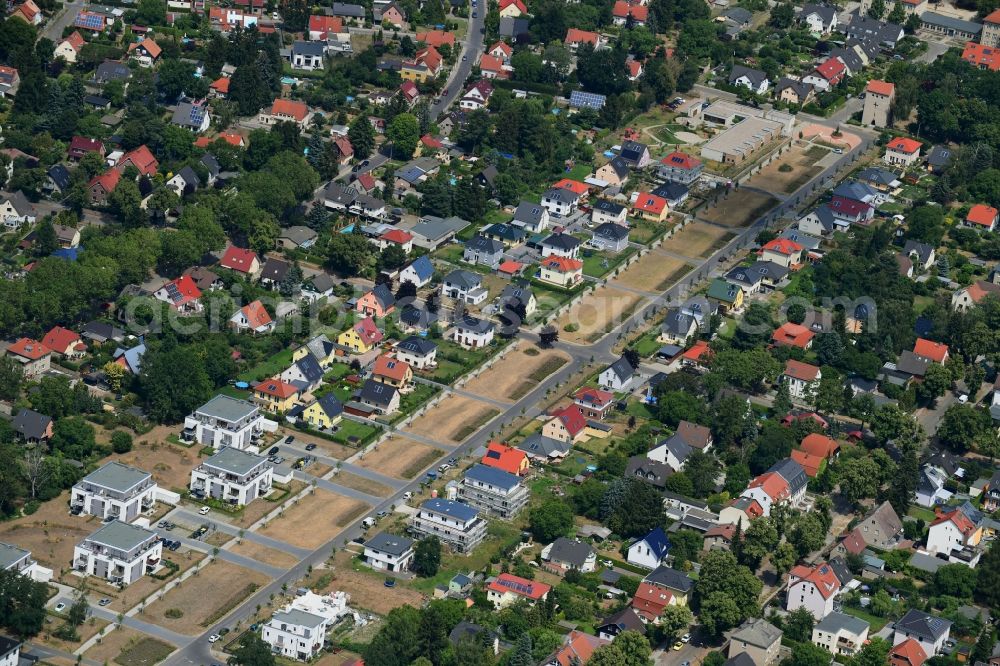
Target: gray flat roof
(227,408)
(122,536)
(298,617)
(117,476)
(235,461)
(10,555)
(389,543)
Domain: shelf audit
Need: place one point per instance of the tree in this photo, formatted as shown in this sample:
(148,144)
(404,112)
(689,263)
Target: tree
(173,383)
(748,370)
(782,401)
(783,15)
(397,642)
(807,534)
(121,441)
(11,378)
(685,546)
(784,557)
(988,583)
(984,647)
(22,603)
(78,611)
(521,655)
(809,654)
(36,469)
(427,557)
(937,380)
(859,478)
(799,624)
(252,651)
(877,9)
(548,337)
(721,574)
(758,540)
(955,580)
(897,15)
(73,437)
(404,133)
(362,137)
(718,612)
(633,511)
(550,520)
(964,427)
(629,648)
(675,619)
(351,254)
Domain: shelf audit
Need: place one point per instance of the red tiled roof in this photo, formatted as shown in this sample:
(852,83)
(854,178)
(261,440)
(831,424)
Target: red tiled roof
(238,259)
(430,141)
(960,520)
(993,17)
(697,352)
(640,12)
(650,600)
(831,69)
(188,290)
(504,4)
(232,138)
(429,56)
(634,68)
(151,47)
(725,531)
(397,236)
(901,144)
(799,370)
(819,445)
(809,462)
(108,180)
(326,24)
(578,649)
(256,314)
(60,339)
(982,214)
(791,334)
(221,85)
(28,348)
(393,368)
(572,418)
(522,587)
(368,331)
(773,485)
(680,160)
(621,9)
(488,63)
(783,246)
(142,159)
(594,397)
(436,38)
(821,575)
(290,108)
(562,264)
(367,181)
(82,144)
(574,186)
(849,207)
(935,351)
(854,542)
(650,203)
(503,46)
(344,146)
(908,653)
(880,87)
(574,36)
(981,56)
(504,458)
(275,387)
(75,40)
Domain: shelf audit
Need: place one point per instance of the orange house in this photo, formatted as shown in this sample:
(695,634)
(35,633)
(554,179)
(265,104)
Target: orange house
(510,460)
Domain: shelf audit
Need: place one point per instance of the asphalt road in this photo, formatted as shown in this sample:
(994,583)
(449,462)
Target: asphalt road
(54,28)
(471,50)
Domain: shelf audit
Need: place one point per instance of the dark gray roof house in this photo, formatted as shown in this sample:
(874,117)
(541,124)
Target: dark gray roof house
(608,207)
(924,627)
(561,241)
(417,345)
(800,89)
(528,214)
(418,318)
(612,232)
(852,61)
(754,76)
(377,393)
(348,10)
(624,620)
(939,158)
(670,579)
(274,270)
(633,152)
(792,472)
(739,16)
(99,331)
(570,553)
(32,426)
(911,364)
(678,324)
(878,177)
(652,472)
(620,167)
(112,70)
(484,245)
(59,177)
(864,28)
(924,252)
(391,544)
(513,27)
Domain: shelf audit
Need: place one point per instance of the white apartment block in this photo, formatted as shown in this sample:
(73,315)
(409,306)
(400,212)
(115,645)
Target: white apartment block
(298,631)
(115,491)
(225,421)
(455,524)
(493,491)
(233,476)
(19,560)
(119,553)
(389,552)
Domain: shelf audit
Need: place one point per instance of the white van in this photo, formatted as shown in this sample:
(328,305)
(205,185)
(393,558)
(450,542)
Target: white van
(368,522)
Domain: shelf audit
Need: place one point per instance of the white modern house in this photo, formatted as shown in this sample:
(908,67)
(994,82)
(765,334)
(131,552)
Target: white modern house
(494,491)
(119,553)
(419,352)
(456,524)
(559,201)
(233,476)
(473,332)
(389,552)
(224,421)
(465,286)
(19,560)
(298,631)
(841,634)
(930,631)
(812,588)
(617,375)
(650,551)
(953,532)
(114,491)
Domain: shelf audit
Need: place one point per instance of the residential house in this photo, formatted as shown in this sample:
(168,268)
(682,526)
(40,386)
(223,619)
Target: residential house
(464,286)
(507,589)
(506,459)
(827,74)
(594,403)
(379,398)
(907,653)
(473,332)
(379,302)
(802,379)
(929,631)
(392,371)
(298,631)
(604,212)
(719,537)
(274,271)
(100,187)
(649,471)
(982,217)
(493,491)
(184,181)
(650,207)
(813,588)
(629,13)
(285,110)
(650,600)
(879,98)
(568,554)
(624,620)
(418,272)
(252,318)
(119,553)
(651,551)
(323,413)
(761,276)
(388,552)
(146,52)
(532,217)
(560,202)
(477,96)
(680,167)
(182,295)
(192,116)
(115,491)
(64,342)
(741,511)
(323,28)
(362,337)
(794,335)
(482,250)
(678,328)
(512,8)
(232,476)
(921,254)
(757,638)
(954,531)
(678,584)
(728,297)
(241,261)
(305,373)
(820,19)
(753,79)
(453,523)
(617,375)
(840,634)
(782,251)
(566,425)
(561,271)
(417,352)
(31,427)
(610,237)
(32,356)
(902,151)
(793,91)
(276,395)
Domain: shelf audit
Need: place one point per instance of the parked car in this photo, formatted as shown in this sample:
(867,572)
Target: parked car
(289,439)
(104,602)
(214,638)
(274,450)
(60,607)
(390,582)
(203,511)
(310,447)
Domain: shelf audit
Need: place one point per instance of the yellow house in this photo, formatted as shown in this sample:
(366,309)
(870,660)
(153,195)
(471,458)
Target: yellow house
(729,296)
(323,413)
(321,347)
(362,337)
(415,71)
(275,395)
(561,271)
(566,425)
(392,371)
(512,8)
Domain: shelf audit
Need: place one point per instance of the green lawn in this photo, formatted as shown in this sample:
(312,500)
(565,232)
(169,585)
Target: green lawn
(353,433)
(639,410)
(599,264)
(647,345)
(410,402)
(269,367)
(579,172)
(451,253)
(920,513)
(234,392)
(876,623)
(500,533)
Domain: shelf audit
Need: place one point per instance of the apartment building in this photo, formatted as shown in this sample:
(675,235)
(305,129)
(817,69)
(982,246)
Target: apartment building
(233,476)
(455,524)
(114,491)
(224,421)
(119,553)
(493,491)
(19,560)
(298,630)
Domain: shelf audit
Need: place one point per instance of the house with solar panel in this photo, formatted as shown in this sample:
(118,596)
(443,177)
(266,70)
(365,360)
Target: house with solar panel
(182,295)
(453,523)
(146,53)
(192,116)
(585,100)
(507,589)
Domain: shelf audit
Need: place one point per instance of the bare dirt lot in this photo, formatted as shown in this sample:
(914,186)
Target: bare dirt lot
(314,519)
(400,457)
(169,464)
(697,240)
(499,383)
(50,533)
(112,644)
(651,272)
(204,598)
(366,587)
(590,318)
(449,419)
(264,554)
(85,631)
(801,159)
(739,209)
(361,483)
